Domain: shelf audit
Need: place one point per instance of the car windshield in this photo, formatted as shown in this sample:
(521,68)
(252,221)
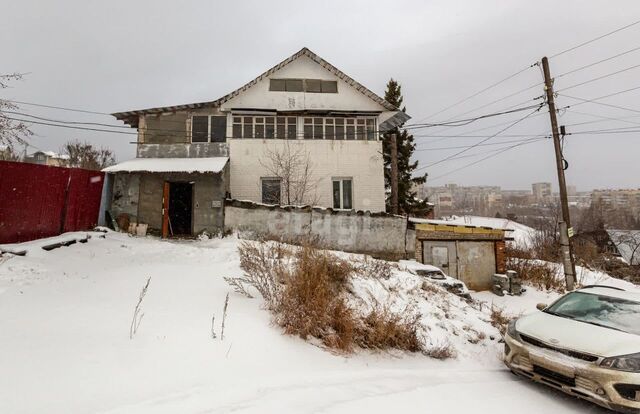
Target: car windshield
(601,310)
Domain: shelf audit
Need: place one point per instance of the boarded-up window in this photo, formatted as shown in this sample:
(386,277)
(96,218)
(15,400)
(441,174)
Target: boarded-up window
(329,86)
(218,128)
(294,85)
(200,129)
(271,190)
(313,85)
(277,85)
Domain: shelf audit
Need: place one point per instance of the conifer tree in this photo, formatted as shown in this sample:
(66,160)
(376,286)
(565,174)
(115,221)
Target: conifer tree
(408,202)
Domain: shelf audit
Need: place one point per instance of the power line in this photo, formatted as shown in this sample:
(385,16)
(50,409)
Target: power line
(66,122)
(484,159)
(595,39)
(595,100)
(482,141)
(602,118)
(479,92)
(467,121)
(597,63)
(485,144)
(598,78)
(62,108)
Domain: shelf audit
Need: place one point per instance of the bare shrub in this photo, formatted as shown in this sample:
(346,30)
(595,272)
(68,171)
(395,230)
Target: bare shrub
(137,313)
(499,319)
(374,268)
(442,350)
(307,292)
(382,329)
(263,269)
(312,304)
(539,274)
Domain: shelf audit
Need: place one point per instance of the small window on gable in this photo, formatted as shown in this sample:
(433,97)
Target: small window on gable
(329,86)
(294,85)
(313,85)
(277,85)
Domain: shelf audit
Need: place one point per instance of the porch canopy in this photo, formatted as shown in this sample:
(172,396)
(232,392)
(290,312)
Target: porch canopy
(184,165)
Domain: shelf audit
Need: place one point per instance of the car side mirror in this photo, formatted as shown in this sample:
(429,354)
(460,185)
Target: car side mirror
(541,306)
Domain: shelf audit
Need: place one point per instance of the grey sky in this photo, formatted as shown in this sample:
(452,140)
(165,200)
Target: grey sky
(121,55)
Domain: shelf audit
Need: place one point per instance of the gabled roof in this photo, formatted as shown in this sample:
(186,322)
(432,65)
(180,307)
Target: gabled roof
(131,117)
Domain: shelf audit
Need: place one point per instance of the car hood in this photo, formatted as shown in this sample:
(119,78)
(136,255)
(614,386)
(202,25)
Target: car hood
(578,336)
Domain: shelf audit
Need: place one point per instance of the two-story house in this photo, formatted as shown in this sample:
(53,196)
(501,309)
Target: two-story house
(303,132)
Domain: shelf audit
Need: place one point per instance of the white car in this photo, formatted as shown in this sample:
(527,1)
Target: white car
(586,344)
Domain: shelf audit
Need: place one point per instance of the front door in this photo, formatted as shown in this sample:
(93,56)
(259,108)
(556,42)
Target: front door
(177,209)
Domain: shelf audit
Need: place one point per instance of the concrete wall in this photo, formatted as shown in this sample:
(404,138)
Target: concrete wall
(359,160)
(196,150)
(125,195)
(382,235)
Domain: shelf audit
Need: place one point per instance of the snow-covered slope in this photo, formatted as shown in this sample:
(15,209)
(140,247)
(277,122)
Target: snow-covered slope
(65,347)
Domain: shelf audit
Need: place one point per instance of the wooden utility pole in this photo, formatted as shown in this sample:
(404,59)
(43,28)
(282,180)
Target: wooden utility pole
(394,175)
(565,225)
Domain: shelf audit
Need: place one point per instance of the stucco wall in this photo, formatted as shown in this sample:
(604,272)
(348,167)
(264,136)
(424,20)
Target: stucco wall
(359,160)
(196,150)
(382,235)
(125,194)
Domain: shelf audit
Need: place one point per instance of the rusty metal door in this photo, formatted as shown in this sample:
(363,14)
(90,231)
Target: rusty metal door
(441,254)
(476,264)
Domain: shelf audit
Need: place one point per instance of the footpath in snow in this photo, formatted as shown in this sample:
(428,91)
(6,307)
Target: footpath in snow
(65,347)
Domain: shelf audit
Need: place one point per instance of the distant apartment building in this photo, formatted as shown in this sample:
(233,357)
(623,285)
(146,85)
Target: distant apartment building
(541,192)
(628,199)
(454,199)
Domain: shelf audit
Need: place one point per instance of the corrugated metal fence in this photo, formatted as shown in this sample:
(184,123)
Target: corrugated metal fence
(41,201)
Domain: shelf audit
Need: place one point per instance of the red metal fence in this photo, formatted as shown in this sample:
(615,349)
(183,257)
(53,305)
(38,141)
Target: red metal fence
(41,201)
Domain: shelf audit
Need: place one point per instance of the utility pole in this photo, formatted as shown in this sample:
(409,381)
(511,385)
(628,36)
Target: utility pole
(565,224)
(394,175)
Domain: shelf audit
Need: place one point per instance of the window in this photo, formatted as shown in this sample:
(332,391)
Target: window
(271,190)
(342,193)
(200,129)
(277,85)
(308,128)
(329,86)
(265,127)
(294,85)
(313,85)
(203,127)
(219,128)
(303,85)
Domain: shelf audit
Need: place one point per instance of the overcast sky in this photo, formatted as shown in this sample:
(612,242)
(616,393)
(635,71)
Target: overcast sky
(121,55)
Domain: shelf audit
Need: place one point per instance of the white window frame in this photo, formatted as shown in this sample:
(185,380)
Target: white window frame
(341,180)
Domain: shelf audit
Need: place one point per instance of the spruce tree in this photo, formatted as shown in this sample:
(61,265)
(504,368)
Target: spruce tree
(408,203)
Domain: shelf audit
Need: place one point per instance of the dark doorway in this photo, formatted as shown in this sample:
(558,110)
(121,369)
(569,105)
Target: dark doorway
(180,208)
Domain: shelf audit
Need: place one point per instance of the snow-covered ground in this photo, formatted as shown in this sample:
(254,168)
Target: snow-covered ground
(65,347)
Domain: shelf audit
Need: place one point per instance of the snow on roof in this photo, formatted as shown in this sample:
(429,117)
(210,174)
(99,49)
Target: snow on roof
(628,244)
(522,235)
(187,165)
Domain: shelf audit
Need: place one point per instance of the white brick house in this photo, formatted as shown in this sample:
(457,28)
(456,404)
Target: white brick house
(303,105)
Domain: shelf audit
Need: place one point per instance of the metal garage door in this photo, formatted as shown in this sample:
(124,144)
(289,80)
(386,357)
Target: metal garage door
(476,264)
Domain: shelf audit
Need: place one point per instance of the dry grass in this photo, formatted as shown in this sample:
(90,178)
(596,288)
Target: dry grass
(499,319)
(306,290)
(441,351)
(382,330)
(541,275)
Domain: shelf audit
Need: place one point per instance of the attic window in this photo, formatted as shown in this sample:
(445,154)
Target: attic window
(303,85)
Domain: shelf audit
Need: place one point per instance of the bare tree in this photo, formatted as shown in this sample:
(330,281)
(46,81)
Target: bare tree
(12,131)
(628,244)
(292,165)
(7,153)
(83,155)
